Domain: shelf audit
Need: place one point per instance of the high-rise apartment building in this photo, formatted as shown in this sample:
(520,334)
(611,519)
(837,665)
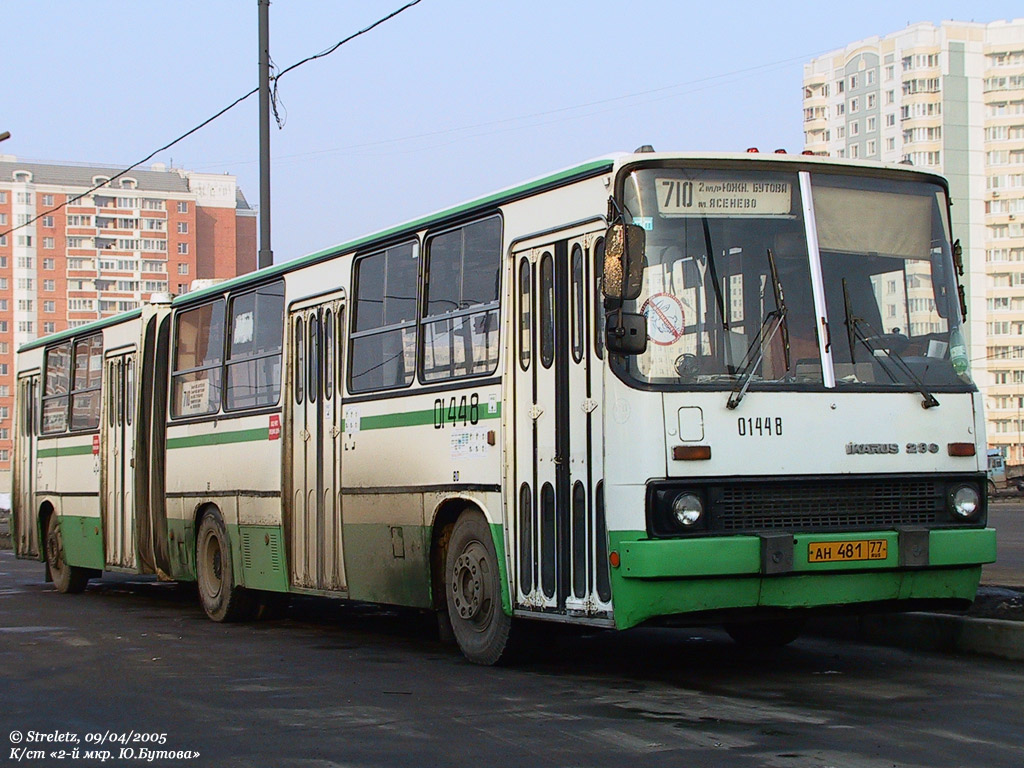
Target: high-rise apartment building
(949,98)
(92,256)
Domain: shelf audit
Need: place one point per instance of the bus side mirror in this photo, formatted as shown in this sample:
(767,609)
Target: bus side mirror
(626,333)
(624,246)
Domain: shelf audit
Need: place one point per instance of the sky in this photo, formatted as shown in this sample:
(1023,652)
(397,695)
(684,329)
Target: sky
(448,101)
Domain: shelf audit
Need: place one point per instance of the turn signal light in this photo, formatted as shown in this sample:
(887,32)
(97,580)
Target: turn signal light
(753,149)
(961,449)
(691,452)
(613,558)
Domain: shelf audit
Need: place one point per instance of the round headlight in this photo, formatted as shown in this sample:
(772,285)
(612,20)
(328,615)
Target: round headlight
(965,501)
(687,509)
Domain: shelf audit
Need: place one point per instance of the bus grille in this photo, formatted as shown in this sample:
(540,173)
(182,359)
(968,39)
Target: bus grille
(831,505)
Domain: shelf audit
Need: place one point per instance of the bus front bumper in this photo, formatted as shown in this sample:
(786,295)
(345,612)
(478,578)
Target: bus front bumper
(675,577)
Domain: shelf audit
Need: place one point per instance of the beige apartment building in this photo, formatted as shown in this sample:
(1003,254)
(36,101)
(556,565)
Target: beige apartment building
(950,98)
(65,262)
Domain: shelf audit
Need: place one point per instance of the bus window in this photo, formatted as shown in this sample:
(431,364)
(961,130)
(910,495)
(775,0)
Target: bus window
(547,310)
(328,354)
(56,385)
(199,352)
(598,265)
(254,352)
(300,360)
(85,393)
(525,315)
(460,323)
(577,303)
(129,394)
(313,372)
(383,345)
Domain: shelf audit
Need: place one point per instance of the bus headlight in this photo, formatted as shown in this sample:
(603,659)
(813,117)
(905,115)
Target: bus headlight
(964,501)
(687,508)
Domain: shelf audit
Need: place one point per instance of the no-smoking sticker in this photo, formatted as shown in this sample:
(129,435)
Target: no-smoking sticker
(665,318)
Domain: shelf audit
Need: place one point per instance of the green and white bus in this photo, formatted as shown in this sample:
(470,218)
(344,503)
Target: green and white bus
(655,388)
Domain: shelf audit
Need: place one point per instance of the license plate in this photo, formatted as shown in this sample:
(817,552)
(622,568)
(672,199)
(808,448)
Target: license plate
(847,551)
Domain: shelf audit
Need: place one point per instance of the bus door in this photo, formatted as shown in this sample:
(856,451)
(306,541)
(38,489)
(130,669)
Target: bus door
(26,535)
(314,514)
(557,395)
(118,461)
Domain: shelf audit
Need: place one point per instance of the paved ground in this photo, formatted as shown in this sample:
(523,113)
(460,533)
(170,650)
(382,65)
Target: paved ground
(1006,515)
(346,686)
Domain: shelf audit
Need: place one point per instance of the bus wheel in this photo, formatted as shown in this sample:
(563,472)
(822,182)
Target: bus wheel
(66,578)
(221,598)
(767,633)
(473,590)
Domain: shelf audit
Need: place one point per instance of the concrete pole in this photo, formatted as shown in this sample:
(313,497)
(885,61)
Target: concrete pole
(266,253)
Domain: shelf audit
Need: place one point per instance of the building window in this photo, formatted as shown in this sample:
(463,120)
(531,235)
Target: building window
(890,120)
(182,227)
(872,100)
(49,307)
(48,243)
(854,105)
(47,199)
(871,147)
(183,269)
(49,327)
(854,128)
(48,221)
(182,249)
(869,77)
(182,206)
(872,124)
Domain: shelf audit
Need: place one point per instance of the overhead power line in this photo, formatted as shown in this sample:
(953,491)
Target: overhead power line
(209,120)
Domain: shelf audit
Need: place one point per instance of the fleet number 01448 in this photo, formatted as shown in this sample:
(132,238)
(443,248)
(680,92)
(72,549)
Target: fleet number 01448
(759,426)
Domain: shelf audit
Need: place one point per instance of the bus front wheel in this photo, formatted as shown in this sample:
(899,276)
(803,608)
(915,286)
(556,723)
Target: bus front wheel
(222,599)
(66,578)
(473,592)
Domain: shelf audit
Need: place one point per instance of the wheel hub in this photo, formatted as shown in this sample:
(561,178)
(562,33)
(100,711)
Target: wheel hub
(468,586)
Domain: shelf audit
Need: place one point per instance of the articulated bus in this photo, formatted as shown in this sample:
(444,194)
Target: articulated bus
(655,388)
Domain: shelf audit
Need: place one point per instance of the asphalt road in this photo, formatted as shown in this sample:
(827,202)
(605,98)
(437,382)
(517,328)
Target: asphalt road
(1006,515)
(331,685)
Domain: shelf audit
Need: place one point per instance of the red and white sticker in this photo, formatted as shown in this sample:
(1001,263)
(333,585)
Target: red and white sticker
(666,320)
(275,427)
(95,445)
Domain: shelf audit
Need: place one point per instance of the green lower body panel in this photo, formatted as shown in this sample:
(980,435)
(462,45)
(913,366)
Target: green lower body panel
(674,577)
(82,538)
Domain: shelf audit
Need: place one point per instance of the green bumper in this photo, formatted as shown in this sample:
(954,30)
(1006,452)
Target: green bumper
(678,576)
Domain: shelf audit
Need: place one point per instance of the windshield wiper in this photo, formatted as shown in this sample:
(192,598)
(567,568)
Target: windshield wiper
(855,333)
(774,322)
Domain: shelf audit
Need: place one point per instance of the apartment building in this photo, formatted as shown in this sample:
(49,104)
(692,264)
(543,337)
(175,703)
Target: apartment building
(89,255)
(949,98)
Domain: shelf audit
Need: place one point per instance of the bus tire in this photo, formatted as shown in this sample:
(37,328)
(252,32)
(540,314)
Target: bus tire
(473,592)
(68,579)
(766,633)
(221,598)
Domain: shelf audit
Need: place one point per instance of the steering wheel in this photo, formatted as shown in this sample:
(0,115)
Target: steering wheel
(687,366)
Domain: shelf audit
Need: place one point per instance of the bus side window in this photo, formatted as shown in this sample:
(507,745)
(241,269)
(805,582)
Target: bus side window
(198,357)
(577,303)
(598,264)
(383,340)
(299,371)
(254,353)
(525,315)
(56,387)
(547,310)
(328,354)
(460,320)
(86,387)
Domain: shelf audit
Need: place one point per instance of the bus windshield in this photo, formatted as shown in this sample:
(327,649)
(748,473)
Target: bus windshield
(728,293)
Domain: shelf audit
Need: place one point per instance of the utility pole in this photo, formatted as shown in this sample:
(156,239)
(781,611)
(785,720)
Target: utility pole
(266,254)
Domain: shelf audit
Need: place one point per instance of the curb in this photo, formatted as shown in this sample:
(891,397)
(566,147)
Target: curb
(930,632)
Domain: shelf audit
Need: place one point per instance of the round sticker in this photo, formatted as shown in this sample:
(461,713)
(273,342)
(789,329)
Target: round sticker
(665,319)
